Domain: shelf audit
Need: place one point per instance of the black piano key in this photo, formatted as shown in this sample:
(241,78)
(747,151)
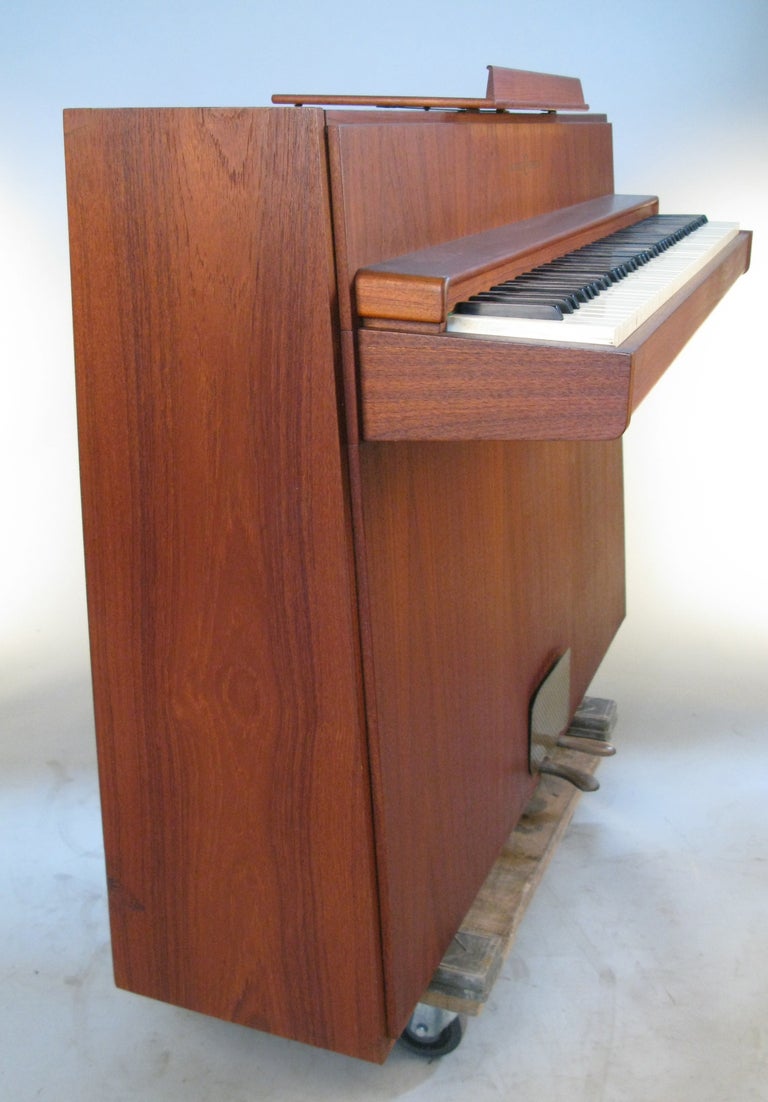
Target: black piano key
(560,284)
(592,273)
(555,284)
(514,295)
(525,294)
(535,310)
(584,277)
(539,287)
(613,258)
(573,274)
(574,281)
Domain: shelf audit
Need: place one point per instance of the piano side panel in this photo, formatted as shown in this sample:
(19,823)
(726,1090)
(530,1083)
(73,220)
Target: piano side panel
(399,187)
(227,684)
(484,562)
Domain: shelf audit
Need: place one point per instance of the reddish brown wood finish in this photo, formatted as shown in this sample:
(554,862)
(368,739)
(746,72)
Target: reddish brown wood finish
(313,663)
(507,89)
(425,285)
(519,88)
(485,388)
(425,103)
(399,187)
(451,387)
(484,562)
(226,672)
(335,115)
(466,582)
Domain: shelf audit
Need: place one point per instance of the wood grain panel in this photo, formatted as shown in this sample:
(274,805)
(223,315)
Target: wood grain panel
(221,598)
(484,561)
(478,562)
(398,188)
(451,387)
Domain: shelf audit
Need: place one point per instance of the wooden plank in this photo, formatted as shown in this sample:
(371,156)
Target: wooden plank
(465,977)
(450,103)
(220,584)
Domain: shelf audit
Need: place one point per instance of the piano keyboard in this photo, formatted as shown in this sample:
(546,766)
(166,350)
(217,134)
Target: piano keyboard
(600,293)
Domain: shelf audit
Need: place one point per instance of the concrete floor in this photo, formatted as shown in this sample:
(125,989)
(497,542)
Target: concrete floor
(639,974)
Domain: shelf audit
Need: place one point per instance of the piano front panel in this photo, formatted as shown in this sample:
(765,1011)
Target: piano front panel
(484,562)
(484,388)
(402,186)
(478,562)
(487,503)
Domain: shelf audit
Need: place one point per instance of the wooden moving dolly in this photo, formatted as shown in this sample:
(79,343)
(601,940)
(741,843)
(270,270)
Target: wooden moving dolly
(464,980)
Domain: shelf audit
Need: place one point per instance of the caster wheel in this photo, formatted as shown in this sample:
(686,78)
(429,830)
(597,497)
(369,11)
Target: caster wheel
(432,1032)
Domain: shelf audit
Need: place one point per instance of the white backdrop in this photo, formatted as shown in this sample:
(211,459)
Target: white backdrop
(686,87)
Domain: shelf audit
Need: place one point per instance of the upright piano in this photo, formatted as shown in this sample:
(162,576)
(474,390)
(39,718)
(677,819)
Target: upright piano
(336,536)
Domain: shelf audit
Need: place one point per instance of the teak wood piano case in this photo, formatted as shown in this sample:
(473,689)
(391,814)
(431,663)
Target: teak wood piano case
(329,561)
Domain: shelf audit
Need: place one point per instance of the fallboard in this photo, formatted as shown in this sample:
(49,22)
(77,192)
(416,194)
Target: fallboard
(402,182)
(423,286)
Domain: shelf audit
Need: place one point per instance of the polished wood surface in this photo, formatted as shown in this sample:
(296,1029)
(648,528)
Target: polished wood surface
(484,561)
(425,285)
(426,103)
(484,388)
(400,187)
(226,671)
(481,388)
(518,88)
(507,89)
(454,631)
(330,558)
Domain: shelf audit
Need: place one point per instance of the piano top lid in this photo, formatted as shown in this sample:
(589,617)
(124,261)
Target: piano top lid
(507,90)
